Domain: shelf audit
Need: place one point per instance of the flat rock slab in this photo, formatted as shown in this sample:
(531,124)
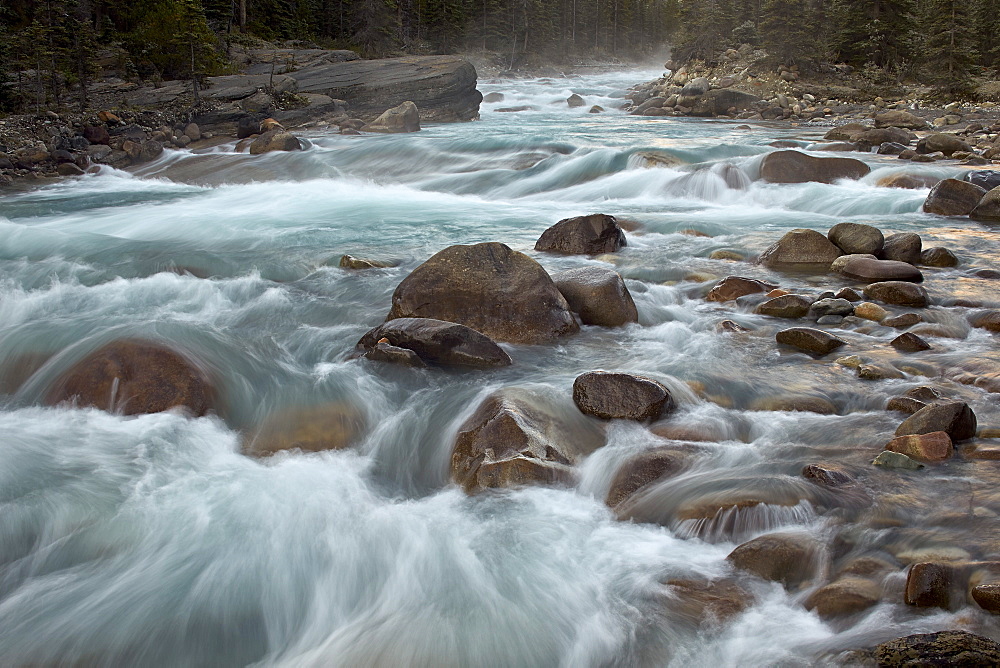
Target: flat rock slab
(442,87)
(870,269)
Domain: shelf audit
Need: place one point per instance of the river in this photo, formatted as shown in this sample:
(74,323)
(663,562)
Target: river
(152,541)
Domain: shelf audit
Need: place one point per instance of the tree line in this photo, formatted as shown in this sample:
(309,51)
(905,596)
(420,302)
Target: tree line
(49,48)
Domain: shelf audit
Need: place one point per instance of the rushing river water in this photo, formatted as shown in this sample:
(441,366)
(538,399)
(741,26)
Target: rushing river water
(152,541)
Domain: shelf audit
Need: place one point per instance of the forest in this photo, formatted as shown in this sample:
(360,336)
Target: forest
(934,41)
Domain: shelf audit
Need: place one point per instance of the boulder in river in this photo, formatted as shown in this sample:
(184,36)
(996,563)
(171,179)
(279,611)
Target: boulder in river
(621,396)
(643,470)
(869,269)
(845,596)
(934,446)
(797,167)
(856,238)
(946,648)
(514,438)
(944,142)
(902,247)
(133,377)
(789,558)
(908,342)
(809,340)
(801,250)
(598,295)
(988,208)
(785,306)
(500,292)
(900,293)
(575,100)
(584,235)
(734,287)
(954,418)
(402,118)
(275,140)
(438,342)
(951,197)
(332,426)
(899,119)
(938,257)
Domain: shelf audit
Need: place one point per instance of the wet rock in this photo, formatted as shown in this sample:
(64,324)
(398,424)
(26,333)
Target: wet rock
(846,132)
(785,306)
(893,148)
(621,396)
(402,118)
(797,167)
(575,100)
(954,418)
(810,340)
(909,343)
(908,181)
(333,426)
(133,377)
(878,136)
(96,134)
(899,119)
(598,295)
(895,460)
(596,109)
(943,142)
(849,294)
(275,140)
(644,469)
(780,557)
(947,648)
(826,475)
(988,320)
(801,250)
(988,209)
(730,326)
(733,287)
(490,98)
(952,197)
(938,257)
(856,239)
(902,247)
(869,269)
(356,263)
(831,306)
(497,291)
(726,255)
(438,342)
(923,393)
(933,447)
(902,320)
(584,235)
(794,403)
(723,101)
(878,371)
(844,597)
(383,351)
(707,603)
(151,150)
(69,169)
(900,293)
(931,585)
(987,596)
(513,439)
(831,320)
(987,179)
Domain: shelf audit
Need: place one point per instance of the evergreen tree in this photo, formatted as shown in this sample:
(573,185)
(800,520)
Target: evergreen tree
(882,32)
(787,31)
(948,46)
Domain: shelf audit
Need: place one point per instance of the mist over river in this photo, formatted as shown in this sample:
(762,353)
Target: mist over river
(152,540)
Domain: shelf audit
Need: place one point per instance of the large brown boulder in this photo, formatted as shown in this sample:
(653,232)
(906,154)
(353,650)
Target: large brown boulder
(621,396)
(516,438)
(844,597)
(797,167)
(598,295)
(869,269)
(954,418)
(902,247)
(935,446)
(734,287)
(722,101)
(899,119)
(402,118)
(438,342)
(497,291)
(584,235)
(959,649)
(938,257)
(275,140)
(132,377)
(856,238)
(801,250)
(810,340)
(900,293)
(951,197)
(943,142)
(785,306)
(787,558)
(331,426)
(988,208)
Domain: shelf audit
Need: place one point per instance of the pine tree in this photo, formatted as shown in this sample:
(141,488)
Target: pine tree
(787,31)
(948,46)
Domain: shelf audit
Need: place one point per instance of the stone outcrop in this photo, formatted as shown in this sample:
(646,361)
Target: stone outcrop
(442,87)
(438,342)
(133,377)
(599,296)
(797,167)
(497,291)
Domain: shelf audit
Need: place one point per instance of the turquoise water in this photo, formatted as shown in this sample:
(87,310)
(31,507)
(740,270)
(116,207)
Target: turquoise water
(152,541)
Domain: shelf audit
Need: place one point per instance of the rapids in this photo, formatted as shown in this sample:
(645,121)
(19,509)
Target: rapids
(152,541)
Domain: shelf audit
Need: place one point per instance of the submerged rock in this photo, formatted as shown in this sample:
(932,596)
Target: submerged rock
(643,470)
(797,167)
(896,460)
(133,377)
(494,290)
(352,262)
(333,426)
(938,257)
(788,558)
(584,235)
(438,342)
(598,295)
(621,396)
(844,597)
